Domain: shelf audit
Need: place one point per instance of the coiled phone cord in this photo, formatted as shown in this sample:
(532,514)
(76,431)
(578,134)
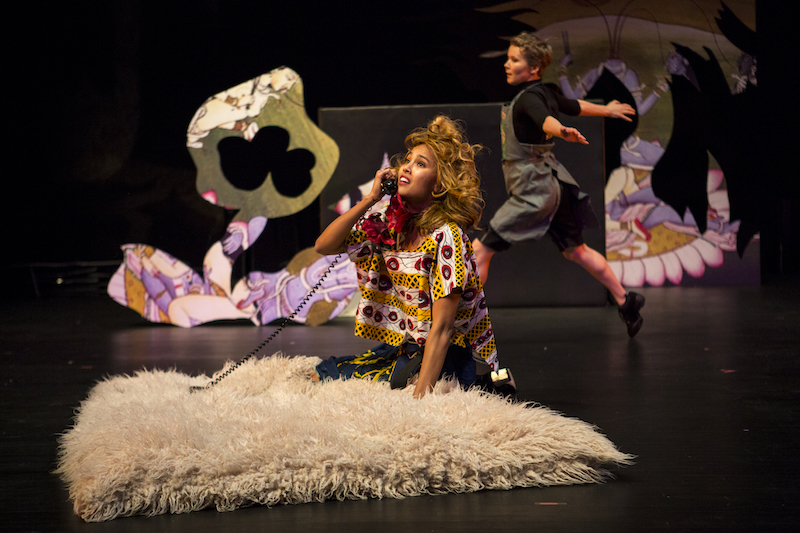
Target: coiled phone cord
(388,187)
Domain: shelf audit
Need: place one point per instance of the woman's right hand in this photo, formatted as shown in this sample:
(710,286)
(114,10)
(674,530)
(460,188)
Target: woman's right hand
(387,173)
(572,135)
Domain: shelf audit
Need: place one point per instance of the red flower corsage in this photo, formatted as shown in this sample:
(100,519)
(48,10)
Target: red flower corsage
(382,227)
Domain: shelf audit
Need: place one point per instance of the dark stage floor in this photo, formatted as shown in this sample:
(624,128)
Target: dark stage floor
(706,396)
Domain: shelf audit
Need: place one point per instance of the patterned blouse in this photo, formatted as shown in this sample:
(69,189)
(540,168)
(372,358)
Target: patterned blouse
(398,288)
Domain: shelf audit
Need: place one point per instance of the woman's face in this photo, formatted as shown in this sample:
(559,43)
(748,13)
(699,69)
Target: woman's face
(517,69)
(416,178)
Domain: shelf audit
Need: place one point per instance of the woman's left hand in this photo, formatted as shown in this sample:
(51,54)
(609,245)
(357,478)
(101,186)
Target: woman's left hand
(616,109)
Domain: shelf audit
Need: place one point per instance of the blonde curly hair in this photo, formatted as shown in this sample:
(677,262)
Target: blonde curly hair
(460,199)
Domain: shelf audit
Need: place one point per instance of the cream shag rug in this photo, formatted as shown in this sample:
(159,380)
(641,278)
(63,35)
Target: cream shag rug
(268,435)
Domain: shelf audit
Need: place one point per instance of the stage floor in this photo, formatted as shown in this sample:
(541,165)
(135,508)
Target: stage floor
(706,397)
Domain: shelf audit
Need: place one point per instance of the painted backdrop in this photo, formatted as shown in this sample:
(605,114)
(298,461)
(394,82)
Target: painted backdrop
(681,203)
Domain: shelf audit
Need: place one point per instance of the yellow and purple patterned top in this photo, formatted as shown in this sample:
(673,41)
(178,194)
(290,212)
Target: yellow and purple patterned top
(398,288)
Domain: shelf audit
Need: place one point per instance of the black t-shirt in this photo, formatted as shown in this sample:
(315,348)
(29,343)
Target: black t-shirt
(538,102)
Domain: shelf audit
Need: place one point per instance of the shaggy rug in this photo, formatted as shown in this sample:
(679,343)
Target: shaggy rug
(268,435)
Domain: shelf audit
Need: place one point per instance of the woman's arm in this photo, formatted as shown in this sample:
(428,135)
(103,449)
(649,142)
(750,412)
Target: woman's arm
(613,109)
(437,343)
(553,128)
(331,240)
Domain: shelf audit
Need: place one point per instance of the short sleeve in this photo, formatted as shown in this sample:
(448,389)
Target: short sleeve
(450,273)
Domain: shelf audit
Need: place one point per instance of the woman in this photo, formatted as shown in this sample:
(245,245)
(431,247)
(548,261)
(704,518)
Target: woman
(543,197)
(420,291)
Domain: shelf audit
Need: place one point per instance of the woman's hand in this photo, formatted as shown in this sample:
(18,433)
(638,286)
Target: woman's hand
(617,109)
(332,239)
(613,109)
(572,135)
(380,176)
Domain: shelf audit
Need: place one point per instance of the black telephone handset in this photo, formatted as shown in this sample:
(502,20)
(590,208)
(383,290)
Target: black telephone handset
(389,186)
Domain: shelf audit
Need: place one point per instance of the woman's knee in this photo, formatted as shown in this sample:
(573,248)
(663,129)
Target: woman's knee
(573,253)
(578,254)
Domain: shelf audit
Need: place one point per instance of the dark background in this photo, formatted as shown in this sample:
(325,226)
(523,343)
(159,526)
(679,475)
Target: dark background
(101,93)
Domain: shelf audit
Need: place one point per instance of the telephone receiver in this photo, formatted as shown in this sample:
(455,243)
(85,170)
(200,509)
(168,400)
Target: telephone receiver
(389,186)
